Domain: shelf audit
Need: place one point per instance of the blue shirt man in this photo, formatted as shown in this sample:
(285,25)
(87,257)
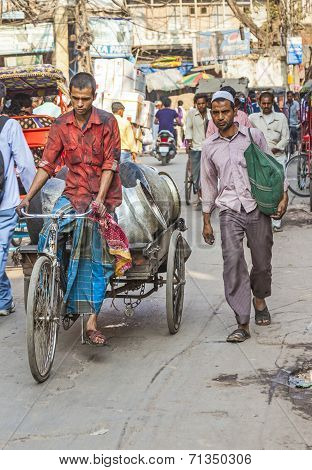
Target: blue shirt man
(165,117)
(16,153)
(292,111)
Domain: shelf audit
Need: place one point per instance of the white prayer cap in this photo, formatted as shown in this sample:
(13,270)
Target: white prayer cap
(225,95)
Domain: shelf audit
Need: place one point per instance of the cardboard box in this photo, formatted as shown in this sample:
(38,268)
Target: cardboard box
(147,115)
(140,83)
(131,96)
(133,103)
(114,75)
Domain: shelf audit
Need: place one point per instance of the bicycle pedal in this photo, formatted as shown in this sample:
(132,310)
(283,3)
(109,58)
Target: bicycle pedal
(69,320)
(129,311)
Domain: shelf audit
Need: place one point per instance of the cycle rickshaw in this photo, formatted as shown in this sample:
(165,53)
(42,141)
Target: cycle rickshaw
(156,263)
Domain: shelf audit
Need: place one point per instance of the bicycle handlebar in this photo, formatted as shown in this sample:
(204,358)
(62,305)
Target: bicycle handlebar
(55,216)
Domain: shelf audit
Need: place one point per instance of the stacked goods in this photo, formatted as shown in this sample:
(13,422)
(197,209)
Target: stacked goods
(140,82)
(119,80)
(147,114)
(114,75)
(133,103)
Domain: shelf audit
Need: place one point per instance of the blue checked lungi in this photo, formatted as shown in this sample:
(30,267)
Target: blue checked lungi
(90,264)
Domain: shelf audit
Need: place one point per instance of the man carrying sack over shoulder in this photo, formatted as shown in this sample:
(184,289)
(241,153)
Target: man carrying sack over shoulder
(244,210)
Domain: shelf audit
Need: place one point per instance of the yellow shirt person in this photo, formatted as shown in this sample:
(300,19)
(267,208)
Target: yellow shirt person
(127,140)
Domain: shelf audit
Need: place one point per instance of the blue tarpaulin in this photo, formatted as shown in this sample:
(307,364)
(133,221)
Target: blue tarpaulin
(184,69)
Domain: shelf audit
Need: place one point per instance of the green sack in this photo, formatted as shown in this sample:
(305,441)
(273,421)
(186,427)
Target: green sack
(266,177)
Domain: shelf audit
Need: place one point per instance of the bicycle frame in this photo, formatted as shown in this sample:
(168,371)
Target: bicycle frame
(51,249)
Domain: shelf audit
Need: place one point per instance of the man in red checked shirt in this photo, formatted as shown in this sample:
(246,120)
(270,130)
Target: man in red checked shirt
(89,138)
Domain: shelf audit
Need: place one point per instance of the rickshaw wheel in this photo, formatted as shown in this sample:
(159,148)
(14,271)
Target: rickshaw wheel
(175,282)
(42,319)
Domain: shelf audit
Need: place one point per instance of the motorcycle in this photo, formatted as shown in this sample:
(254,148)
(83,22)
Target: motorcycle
(165,147)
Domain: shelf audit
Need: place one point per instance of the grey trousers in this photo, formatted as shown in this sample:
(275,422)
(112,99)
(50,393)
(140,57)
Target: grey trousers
(195,156)
(238,284)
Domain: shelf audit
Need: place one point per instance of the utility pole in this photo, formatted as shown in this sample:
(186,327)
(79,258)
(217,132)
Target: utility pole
(286,32)
(84,37)
(267,42)
(61,37)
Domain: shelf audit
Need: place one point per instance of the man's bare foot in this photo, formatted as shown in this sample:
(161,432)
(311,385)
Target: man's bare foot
(94,336)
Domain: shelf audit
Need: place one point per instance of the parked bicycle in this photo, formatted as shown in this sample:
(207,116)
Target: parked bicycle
(294,147)
(299,175)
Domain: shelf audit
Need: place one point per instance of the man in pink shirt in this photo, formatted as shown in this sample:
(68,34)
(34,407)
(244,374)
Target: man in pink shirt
(223,159)
(240,117)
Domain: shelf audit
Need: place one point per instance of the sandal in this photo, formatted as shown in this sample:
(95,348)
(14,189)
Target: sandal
(238,336)
(262,317)
(92,335)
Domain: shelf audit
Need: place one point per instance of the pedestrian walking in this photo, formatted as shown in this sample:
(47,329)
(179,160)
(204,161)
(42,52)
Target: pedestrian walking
(181,129)
(223,159)
(292,113)
(195,134)
(240,117)
(14,152)
(275,129)
(127,139)
(243,104)
(90,139)
(254,102)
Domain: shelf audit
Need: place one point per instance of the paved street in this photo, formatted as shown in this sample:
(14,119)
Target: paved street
(151,390)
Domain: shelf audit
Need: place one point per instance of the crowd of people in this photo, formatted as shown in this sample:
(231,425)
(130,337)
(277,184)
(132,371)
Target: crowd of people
(280,126)
(216,132)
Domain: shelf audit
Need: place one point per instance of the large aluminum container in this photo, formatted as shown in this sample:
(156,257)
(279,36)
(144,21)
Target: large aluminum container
(164,192)
(143,212)
(139,216)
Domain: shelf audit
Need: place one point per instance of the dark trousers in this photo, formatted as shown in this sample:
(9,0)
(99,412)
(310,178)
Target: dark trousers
(238,283)
(195,156)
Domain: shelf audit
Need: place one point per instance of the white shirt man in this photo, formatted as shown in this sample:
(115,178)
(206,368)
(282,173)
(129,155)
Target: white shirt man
(273,125)
(275,129)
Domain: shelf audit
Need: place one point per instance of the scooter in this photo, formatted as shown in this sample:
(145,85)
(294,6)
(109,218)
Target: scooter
(165,147)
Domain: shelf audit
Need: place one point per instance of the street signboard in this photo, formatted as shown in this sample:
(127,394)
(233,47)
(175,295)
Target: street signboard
(26,39)
(112,38)
(222,45)
(294,50)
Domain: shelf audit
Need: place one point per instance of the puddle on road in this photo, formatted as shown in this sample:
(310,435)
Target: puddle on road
(275,384)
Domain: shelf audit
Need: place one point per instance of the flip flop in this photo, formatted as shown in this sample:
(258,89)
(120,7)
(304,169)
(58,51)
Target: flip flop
(91,336)
(238,336)
(262,317)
